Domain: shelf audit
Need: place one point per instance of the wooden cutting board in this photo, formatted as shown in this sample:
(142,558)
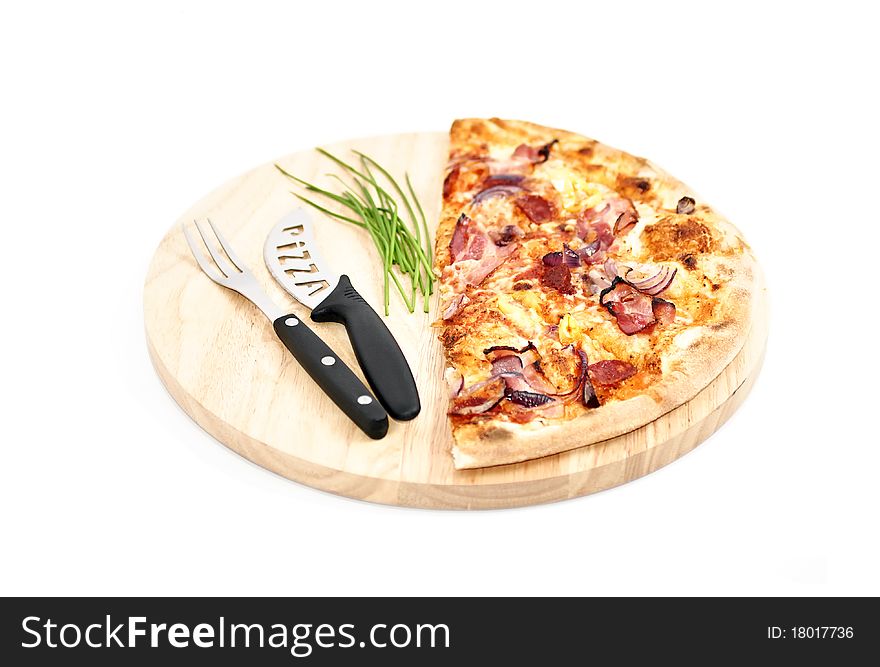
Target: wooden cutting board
(219,358)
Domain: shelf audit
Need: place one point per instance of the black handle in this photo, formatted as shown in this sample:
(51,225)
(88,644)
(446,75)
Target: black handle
(376,350)
(332,375)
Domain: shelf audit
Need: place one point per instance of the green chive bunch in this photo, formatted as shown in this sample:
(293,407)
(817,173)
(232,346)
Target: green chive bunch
(401,244)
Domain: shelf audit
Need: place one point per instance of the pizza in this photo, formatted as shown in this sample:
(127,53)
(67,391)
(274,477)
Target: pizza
(584,292)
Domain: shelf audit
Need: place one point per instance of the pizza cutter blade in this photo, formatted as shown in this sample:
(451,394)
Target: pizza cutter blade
(292,256)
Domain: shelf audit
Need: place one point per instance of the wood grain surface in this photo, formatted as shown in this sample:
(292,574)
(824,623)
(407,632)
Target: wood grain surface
(219,358)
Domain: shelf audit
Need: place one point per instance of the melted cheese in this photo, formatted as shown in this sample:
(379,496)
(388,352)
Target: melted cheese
(525,319)
(576,192)
(569,330)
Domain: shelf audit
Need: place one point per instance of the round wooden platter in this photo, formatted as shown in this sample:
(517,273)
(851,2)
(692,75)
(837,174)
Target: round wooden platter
(219,358)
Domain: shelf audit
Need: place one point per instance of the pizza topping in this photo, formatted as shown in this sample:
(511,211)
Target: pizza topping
(535,208)
(469,242)
(510,363)
(527,355)
(503,179)
(558,278)
(686,206)
(606,217)
(611,372)
(455,381)
(504,190)
(479,398)
(591,253)
(600,278)
(528,399)
(632,309)
(518,378)
(459,236)
(536,379)
(449,181)
(507,235)
(610,268)
(597,281)
(664,311)
(566,256)
(650,279)
(454,306)
(465,175)
(588,395)
(625,221)
(533,154)
(587,392)
(526,371)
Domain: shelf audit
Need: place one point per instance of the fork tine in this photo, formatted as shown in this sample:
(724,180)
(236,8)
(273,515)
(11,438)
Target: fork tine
(236,262)
(204,265)
(219,260)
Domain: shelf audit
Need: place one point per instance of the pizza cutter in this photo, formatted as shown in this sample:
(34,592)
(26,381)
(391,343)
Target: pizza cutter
(293,259)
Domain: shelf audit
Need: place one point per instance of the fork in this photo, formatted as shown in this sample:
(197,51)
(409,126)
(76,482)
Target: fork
(325,367)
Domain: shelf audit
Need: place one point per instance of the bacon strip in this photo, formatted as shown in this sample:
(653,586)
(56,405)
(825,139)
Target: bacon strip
(536,208)
(535,154)
(663,310)
(470,242)
(479,398)
(459,236)
(611,372)
(633,310)
(615,216)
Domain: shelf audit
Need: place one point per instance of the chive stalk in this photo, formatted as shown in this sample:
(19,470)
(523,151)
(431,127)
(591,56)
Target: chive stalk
(403,245)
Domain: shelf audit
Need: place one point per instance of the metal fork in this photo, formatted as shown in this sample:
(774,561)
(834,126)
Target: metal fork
(325,367)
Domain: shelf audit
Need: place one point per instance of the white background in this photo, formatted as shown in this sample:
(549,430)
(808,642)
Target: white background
(116,118)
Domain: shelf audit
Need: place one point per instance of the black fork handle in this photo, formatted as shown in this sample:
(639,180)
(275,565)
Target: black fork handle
(331,374)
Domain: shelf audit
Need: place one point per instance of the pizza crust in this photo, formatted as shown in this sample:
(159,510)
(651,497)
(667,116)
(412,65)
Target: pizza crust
(696,357)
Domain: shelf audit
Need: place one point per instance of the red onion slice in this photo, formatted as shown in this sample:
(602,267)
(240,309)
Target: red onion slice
(610,267)
(598,281)
(528,399)
(552,259)
(502,179)
(587,393)
(569,257)
(658,278)
(497,191)
(662,287)
(566,256)
(643,275)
